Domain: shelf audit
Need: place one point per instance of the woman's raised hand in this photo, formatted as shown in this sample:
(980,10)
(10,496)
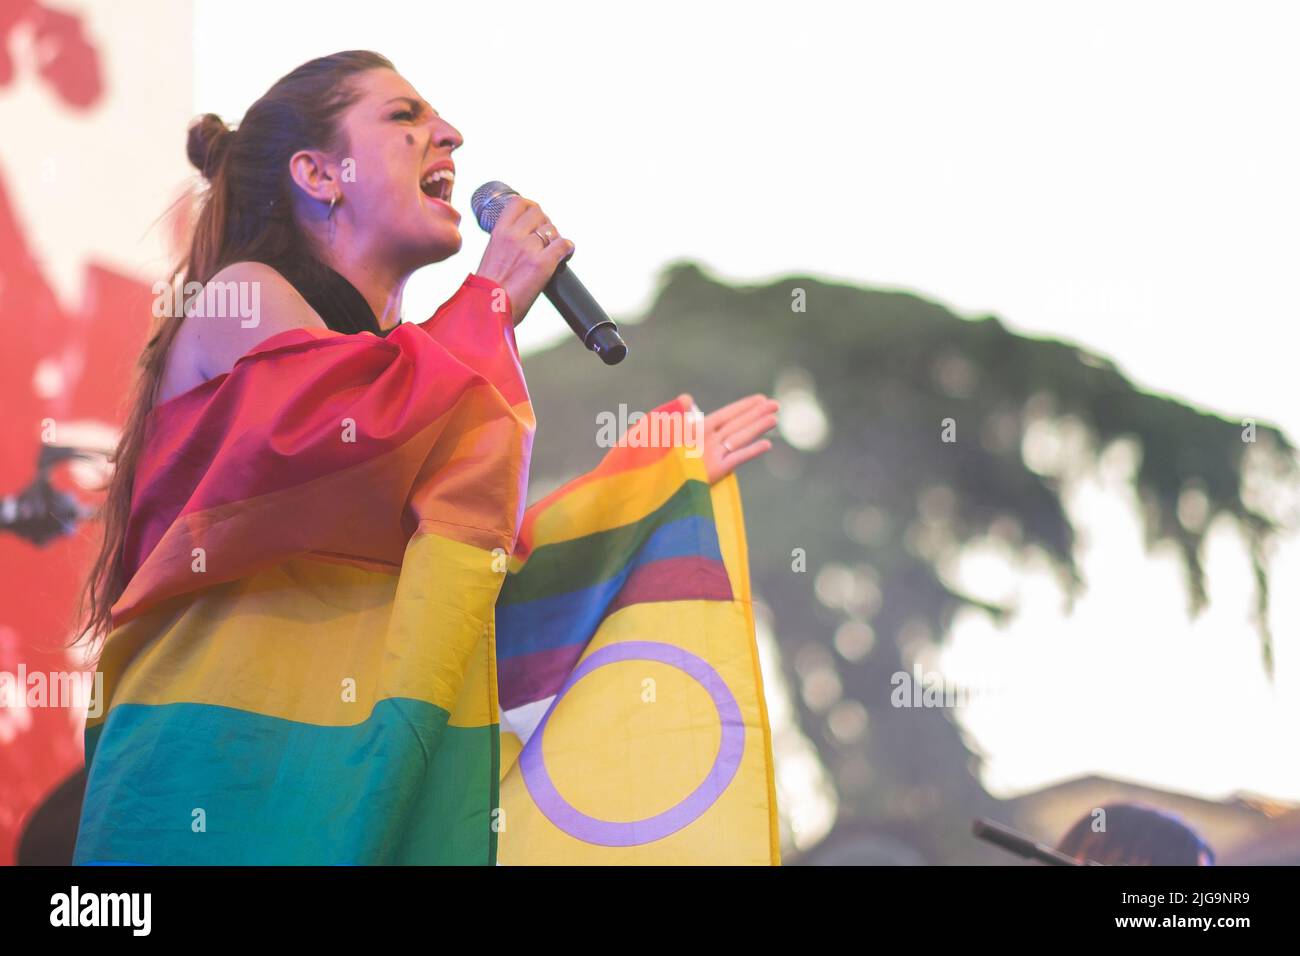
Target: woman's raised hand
(731,434)
(518,258)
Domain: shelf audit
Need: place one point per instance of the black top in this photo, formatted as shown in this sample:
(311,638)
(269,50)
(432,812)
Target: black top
(336,300)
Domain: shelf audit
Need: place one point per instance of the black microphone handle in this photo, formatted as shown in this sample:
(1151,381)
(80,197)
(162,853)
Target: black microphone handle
(585,316)
(1008,839)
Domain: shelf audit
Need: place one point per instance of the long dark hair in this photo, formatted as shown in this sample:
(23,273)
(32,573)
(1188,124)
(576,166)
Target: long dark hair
(246,215)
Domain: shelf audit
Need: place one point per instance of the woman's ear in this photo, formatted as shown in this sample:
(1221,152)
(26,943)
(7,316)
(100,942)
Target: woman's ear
(310,170)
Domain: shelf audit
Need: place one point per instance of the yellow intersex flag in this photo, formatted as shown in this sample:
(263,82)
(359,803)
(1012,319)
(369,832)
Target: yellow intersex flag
(633,725)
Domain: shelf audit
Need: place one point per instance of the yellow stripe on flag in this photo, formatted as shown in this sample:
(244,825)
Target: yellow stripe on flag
(322,642)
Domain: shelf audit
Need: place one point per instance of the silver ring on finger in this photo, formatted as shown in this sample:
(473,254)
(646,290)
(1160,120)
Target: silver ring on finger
(546,235)
(726,446)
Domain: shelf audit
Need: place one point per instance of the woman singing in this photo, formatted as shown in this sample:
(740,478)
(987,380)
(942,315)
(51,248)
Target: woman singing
(331,632)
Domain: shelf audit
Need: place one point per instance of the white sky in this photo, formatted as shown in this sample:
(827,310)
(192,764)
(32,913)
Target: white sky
(1122,175)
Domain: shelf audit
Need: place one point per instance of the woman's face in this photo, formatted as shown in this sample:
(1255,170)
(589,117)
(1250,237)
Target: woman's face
(396,142)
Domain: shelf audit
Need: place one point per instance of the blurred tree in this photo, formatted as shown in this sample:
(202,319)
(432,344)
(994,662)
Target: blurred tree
(911,433)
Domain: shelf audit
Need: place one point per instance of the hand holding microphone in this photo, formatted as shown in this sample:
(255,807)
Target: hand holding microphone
(526,255)
(523,252)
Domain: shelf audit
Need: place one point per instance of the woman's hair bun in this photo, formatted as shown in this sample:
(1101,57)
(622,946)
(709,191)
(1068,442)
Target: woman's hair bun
(208,140)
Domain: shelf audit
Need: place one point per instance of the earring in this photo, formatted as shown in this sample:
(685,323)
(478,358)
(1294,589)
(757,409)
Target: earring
(330,217)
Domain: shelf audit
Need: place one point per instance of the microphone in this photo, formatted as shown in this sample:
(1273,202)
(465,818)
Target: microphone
(569,296)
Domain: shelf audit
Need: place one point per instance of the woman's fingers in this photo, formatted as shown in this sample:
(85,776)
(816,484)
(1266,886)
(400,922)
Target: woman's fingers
(742,435)
(529,220)
(752,412)
(524,218)
(523,252)
(516,208)
(728,414)
(739,425)
(560,248)
(738,458)
(531,224)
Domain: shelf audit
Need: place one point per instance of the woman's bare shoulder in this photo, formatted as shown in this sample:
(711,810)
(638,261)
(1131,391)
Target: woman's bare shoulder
(241,306)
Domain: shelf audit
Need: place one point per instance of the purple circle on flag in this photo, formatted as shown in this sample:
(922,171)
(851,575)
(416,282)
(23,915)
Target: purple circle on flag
(638,832)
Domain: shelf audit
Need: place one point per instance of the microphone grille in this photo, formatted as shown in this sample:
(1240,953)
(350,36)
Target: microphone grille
(488,201)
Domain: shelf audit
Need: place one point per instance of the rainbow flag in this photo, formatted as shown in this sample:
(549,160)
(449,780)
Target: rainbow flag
(324,545)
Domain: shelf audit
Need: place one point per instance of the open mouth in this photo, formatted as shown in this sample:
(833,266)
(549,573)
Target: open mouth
(437,184)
